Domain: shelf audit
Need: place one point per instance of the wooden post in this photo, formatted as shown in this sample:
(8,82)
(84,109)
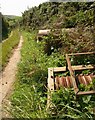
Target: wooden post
(85,53)
(50,86)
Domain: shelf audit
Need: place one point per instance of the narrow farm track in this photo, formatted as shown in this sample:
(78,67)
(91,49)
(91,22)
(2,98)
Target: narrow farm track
(8,75)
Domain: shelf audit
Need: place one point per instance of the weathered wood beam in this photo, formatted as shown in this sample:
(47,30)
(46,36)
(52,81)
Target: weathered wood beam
(86,93)
(59,69)
(85,53)
(72,74)
(83,67)
(77,67)
(50,79)
(50,86)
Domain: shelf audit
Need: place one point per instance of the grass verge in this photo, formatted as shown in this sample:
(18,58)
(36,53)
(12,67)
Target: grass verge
(29,99)
(8,46)
(30,95)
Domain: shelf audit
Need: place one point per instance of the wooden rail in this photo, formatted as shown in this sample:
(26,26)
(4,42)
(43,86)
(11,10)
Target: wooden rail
(86,93)
(72,74)
(83,67)
(85,53)
(58,69)
(77,67)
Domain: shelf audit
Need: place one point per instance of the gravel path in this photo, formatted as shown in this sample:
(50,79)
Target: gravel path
(8,75)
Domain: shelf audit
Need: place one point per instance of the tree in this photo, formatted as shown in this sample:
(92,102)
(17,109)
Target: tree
(5,26)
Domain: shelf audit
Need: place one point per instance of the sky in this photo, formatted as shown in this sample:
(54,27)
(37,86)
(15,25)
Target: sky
(17,7)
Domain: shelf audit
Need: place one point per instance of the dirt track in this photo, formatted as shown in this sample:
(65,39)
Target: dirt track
(8,75)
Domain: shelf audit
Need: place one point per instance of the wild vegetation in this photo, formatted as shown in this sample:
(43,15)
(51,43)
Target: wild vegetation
(59,15)
(9,22)
(5,26)
(75,22)
(70,40)
(10,37)
(29,99)
(12,20)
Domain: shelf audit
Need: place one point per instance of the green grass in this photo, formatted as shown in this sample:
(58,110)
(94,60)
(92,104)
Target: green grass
(66,106)
(29,99)
(30,95)
(8,46)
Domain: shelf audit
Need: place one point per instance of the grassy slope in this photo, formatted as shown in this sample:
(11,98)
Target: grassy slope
(59,15)
(30,94)
(29,97)
(76,19)
(8,46)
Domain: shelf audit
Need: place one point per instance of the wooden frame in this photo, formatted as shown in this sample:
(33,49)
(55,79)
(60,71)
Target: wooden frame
(84,53)
(72,74)
(51,71)
(79,67)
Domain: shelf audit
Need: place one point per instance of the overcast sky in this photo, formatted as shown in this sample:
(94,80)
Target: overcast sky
(15,7)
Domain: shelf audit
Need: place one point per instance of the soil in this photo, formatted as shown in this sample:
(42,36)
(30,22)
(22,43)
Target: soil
(7,79)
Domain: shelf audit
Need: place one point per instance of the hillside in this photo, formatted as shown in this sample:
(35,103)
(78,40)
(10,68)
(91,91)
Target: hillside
(59,15)
(11,16)
(12,20)
(9,22)
(5,27)
(74,20)
(47,84)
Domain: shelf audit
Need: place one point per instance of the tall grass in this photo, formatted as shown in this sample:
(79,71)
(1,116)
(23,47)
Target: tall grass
(8,45)
(29,99)
(30,95)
